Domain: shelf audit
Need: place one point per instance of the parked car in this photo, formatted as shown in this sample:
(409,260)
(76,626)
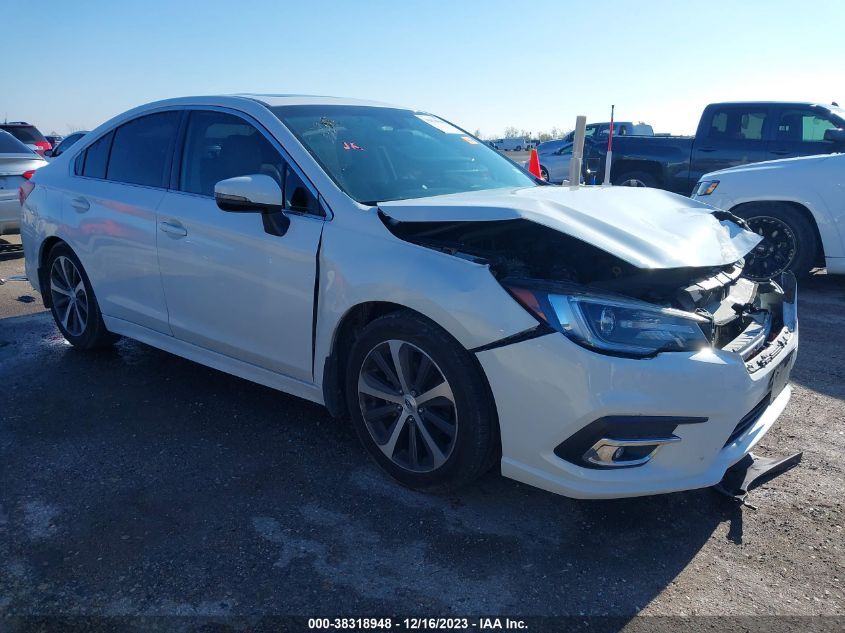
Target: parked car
(28,135)
(797,205)
(550,147)
(554,166)
(65,144)
(510,144)
(729,134)
(459,311)
(53,139)
(17,164)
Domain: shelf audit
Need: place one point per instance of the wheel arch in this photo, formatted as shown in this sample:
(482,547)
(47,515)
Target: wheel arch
(653,168)
(46,248)
(350,325)
(802,210)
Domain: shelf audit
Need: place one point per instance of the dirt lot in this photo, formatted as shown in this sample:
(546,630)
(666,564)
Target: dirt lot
(135,482)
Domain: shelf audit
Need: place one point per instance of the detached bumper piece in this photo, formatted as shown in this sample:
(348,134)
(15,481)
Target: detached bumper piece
(752,471)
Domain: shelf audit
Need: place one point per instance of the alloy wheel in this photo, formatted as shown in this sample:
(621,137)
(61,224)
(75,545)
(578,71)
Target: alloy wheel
(408,406)
(775,252)
(70,299)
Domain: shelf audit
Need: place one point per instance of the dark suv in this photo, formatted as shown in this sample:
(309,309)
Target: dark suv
(28,135)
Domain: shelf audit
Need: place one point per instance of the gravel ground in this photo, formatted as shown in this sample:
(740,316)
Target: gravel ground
(133,482)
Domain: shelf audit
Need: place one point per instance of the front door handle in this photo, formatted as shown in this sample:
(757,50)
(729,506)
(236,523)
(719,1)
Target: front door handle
(781,152)
(706,149)
(173,228)
(80,204)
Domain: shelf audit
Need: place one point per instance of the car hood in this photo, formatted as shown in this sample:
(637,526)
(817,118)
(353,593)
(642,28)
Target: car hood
(799,162)
(648,228)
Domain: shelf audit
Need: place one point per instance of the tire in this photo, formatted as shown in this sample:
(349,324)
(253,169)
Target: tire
(518,148)
(72,301)
(461,425)
(544,173)
(789,241)
(641,178)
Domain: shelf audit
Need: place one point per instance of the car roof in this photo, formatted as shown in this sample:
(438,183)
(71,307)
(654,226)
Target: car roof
(771,103)
(269,100)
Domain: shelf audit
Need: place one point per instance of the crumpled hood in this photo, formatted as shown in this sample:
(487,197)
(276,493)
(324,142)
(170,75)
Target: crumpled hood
(648,228)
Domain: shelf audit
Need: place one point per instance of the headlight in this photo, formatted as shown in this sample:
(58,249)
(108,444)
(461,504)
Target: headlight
(706,187)
(616,326)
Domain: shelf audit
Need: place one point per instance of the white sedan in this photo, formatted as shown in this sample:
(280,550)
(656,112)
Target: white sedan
(595,342)
(797,205)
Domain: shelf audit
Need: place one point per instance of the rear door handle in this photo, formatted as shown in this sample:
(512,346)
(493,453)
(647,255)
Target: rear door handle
(80,204)
(706,149)
(173,228)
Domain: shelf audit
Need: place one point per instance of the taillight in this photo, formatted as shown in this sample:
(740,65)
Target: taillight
(25,188)
(28,174)
(45,145)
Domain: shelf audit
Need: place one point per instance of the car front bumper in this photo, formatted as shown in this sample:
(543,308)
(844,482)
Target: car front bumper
(547,389)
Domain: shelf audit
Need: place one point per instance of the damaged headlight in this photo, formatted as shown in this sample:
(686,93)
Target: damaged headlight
(616,326)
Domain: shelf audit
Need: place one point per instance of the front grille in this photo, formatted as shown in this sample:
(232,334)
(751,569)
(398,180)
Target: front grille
(749,419)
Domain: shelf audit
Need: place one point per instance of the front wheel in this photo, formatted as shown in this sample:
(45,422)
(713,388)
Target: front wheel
(789,242)
(72,301)
(419,403)
(544,173)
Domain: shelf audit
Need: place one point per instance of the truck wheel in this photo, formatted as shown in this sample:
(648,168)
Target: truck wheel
(635,179)
(419,403)
(519,148)
(789,241)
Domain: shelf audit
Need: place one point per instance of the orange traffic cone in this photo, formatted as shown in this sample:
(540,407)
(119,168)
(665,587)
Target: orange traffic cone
(534,164)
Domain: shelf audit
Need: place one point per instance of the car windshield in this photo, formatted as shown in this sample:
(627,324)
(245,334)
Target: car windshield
(10,145)
(377,154)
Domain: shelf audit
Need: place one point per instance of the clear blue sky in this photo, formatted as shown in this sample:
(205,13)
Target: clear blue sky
(484,65)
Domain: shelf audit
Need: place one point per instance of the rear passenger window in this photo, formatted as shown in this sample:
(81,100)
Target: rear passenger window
(737,125)
(220,146)
(95,158)
(142,148)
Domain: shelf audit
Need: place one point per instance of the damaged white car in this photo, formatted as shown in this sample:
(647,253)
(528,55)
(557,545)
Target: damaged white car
(595,342)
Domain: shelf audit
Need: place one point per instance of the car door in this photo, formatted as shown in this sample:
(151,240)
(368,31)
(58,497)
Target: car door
(800,132)
(731,135)
(109,209)
(230,285)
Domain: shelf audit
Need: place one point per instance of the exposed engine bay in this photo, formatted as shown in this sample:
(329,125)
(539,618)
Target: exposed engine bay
(744,315)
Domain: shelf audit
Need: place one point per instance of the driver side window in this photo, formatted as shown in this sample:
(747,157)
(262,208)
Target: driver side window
(220,146)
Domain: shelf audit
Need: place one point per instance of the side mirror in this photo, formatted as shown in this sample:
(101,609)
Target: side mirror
(835,135)
(256,193)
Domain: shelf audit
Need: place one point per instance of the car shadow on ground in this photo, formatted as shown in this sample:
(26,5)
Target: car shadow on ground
(10,250)
(135,482)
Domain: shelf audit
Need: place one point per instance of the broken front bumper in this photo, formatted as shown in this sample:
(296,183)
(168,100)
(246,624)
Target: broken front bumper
(715,404)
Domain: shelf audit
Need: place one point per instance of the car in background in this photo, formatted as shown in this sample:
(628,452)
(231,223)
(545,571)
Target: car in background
(728,134)
(458,311)
(53,139)
(549,147)
(594,131)
(65,144)
(554,165)
(17,165)
(28,135)
(797,205)
(510,144)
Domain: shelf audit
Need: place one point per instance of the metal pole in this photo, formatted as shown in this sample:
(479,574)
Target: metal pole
(577,151)
(608,159)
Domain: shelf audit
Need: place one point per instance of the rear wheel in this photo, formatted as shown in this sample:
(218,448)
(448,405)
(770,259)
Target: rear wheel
(72,301)
(635,179)
(419,404)
(789,242)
